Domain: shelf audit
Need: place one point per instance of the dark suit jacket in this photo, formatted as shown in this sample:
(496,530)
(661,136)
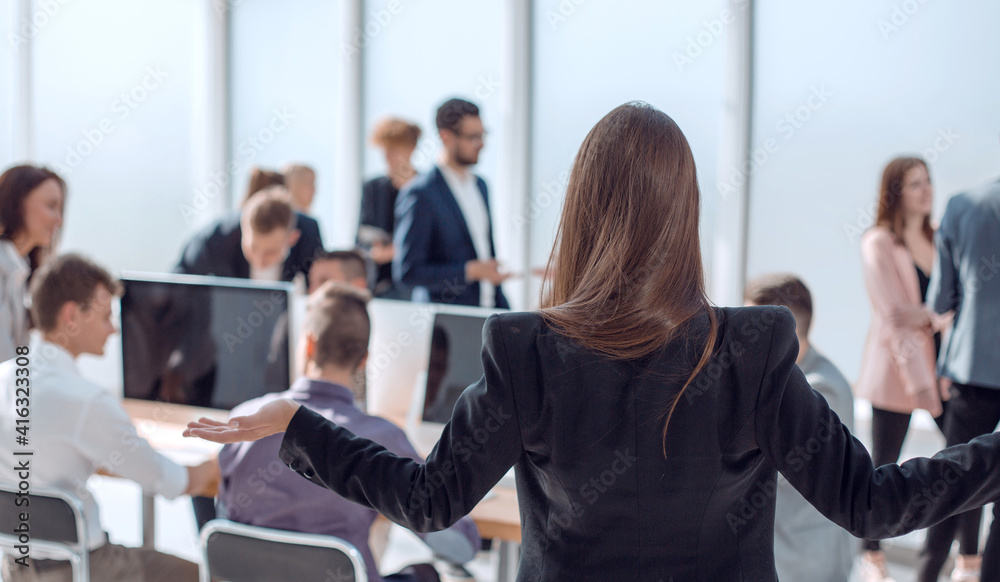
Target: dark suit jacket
(433,242)
(966,278)
(603,496)
(217,250)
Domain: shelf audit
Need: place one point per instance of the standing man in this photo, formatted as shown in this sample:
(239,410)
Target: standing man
(966,279)
(443,237)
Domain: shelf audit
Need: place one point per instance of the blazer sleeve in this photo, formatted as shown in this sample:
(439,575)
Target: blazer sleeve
(196,259)
(805,440)
(367,215)
(413,238)
(309,245)
(480,443)
(943,293)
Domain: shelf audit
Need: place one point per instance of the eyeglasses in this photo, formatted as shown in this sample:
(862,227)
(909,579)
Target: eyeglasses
(480,137)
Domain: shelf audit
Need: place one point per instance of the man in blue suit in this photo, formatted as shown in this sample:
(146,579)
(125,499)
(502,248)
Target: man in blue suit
(966,279)
(443,236)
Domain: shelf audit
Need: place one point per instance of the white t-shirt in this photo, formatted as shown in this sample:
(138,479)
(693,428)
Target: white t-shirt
(477,220)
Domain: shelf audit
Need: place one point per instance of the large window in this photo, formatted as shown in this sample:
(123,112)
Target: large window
(585,64)
(115,93)
(9,46)
(840,93)
(285,62)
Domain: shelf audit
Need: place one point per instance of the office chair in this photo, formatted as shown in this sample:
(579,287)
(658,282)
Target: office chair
(246,553)
(56,527)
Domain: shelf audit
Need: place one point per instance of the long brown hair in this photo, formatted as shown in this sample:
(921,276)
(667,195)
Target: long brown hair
(626,262)
(15,185)
(890,198)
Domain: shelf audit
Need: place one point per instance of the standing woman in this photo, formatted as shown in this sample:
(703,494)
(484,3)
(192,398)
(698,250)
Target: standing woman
(646,426)
(398,139)
(898,369)
(31,206)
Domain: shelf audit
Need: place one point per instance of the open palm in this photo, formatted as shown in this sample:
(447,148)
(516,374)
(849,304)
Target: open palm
(272,418)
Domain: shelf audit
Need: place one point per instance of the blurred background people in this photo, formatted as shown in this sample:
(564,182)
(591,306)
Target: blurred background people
(807,545)
(398,139)
(261,179)
(444,237)
(966,280)
(346,267)
(898,373)
(301,183)
(262,241)
(31,213)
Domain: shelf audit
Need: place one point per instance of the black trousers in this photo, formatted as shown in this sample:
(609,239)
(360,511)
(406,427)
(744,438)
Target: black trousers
(888,433)
(972,411)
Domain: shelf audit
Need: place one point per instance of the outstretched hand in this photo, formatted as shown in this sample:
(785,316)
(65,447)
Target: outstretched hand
(272,418)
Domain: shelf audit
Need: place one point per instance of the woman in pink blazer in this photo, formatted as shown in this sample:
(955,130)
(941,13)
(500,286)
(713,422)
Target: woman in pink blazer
(898,372)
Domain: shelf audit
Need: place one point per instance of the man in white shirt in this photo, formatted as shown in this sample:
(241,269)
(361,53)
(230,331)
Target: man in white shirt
(77,428)
(443,236)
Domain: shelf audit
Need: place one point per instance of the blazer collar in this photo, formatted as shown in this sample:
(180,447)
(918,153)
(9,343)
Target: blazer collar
(448,198)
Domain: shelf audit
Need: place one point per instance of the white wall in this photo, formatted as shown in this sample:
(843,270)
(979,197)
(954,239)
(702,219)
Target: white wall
(285,62)
(8,50)
(114,103)
(591,57)
(892,89)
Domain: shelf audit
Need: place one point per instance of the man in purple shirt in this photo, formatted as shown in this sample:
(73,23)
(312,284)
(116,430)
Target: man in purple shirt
(258,489)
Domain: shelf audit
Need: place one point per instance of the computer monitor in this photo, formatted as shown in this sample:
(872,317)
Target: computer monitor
(204,341)
(453,364)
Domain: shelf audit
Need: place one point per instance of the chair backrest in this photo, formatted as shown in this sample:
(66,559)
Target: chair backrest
(56,528)
(245,553)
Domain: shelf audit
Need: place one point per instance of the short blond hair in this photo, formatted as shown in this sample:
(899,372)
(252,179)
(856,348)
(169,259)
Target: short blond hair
(393,131)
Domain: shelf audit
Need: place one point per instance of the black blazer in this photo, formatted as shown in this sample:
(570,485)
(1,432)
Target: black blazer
(599,497)
(433,241)
(217,250)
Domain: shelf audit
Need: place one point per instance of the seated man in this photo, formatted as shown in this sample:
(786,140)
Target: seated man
(807,546)
(77,428)
(347,267)
(258,489)
(265,241)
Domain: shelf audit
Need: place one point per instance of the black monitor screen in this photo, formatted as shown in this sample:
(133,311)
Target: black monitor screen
(204,341)
(455,363)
